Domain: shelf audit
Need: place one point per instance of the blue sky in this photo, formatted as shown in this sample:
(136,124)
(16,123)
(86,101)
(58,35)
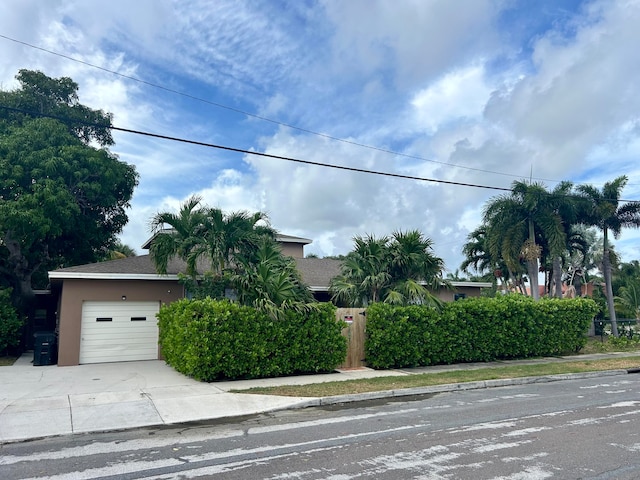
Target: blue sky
(470,91)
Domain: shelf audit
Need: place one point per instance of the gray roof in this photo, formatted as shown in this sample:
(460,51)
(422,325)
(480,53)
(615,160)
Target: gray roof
(141,264)
(316,272)
(279,237)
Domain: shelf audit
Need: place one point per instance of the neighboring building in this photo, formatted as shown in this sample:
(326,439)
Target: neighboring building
(107,310)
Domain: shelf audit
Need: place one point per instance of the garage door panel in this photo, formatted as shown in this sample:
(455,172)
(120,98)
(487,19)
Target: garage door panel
(119,331)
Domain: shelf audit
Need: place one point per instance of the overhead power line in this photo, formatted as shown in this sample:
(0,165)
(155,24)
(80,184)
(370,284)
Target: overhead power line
(267,155)
(250,152)
(260,117)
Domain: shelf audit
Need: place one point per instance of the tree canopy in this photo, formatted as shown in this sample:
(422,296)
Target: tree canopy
(63,194)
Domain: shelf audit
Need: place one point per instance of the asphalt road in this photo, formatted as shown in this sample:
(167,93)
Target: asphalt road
(578,429)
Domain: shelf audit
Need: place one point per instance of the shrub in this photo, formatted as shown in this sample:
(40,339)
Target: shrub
(10,322)
(475,330)
(216,339)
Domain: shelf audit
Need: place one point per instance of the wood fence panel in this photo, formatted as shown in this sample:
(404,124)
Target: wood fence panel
(355,333)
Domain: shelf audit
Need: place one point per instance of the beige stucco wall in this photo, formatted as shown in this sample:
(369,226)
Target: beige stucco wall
(295,250)
(76,291)
(448,295)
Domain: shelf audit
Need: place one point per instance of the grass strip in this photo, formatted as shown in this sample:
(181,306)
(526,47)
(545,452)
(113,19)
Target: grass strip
(7,361)
(396,382)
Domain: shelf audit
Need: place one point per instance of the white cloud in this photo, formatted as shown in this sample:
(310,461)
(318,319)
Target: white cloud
(458,95)
(417,40)
(427,78)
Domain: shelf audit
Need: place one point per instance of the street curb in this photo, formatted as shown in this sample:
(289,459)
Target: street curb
(454,387)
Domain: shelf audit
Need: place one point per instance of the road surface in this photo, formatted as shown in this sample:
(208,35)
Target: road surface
(577,429)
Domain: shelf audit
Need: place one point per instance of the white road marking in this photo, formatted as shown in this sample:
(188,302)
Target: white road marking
(500,446)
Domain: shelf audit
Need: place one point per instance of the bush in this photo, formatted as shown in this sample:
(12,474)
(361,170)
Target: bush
(475,330)
(216,339)
(10,322)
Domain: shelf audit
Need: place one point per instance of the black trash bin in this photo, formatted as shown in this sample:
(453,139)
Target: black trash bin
(45,348)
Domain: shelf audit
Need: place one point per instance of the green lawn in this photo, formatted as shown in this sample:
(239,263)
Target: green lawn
(6,361)
(489,373)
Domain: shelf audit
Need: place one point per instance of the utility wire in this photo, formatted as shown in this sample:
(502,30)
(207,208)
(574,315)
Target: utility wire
(268,155)
(250,152)
(259,117)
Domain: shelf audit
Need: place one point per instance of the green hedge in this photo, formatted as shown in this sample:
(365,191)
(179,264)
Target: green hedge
(216,339)
(475,330)
(10,322)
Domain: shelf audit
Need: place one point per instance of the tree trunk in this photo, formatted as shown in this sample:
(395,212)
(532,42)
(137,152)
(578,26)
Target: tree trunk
(23,271)
(578,284)
(532,264)
(532,268)
(557,276)
(606,266)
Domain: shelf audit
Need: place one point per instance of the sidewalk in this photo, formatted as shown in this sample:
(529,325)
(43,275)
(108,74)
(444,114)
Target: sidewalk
(44,401)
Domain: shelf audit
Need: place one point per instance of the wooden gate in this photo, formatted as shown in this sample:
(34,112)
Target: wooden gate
(355,333)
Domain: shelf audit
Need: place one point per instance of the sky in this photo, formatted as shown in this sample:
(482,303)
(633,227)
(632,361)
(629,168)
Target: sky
(466,92)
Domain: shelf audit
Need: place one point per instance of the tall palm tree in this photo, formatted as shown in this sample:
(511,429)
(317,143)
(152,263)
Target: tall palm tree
(604,211)
(514,223)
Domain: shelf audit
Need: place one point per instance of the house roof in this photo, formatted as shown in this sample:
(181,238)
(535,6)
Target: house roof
(279,237)
(130,268)
(315,272)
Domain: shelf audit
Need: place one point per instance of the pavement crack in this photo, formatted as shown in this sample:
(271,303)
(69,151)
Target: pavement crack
(70,413)
(145,394)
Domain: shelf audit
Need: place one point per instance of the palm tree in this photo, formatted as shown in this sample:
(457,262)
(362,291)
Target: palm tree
(628,299)
(479,259)
(270,281)
(604,211)
(199,232)
(412,266)
(364,273)
(566,215)
(234,237)
(117,251)
(390,269)
(516,220)
(183,238)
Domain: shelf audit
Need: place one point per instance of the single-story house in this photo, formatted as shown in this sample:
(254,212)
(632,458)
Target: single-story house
(106,311)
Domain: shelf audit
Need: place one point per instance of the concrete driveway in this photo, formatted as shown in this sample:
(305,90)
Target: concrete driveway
(40,401)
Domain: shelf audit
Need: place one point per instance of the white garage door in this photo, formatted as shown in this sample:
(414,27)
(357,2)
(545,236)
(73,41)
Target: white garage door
(119,331)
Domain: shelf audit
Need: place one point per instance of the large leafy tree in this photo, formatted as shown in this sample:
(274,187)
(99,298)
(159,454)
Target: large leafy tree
(63,195)
(605,211)
(394,269)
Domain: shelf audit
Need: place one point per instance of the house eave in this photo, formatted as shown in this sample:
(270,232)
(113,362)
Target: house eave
(110,276)
(472,284)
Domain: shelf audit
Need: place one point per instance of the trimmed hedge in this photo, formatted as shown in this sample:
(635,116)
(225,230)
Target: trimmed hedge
(216,339)
(10,322)
(475,330)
